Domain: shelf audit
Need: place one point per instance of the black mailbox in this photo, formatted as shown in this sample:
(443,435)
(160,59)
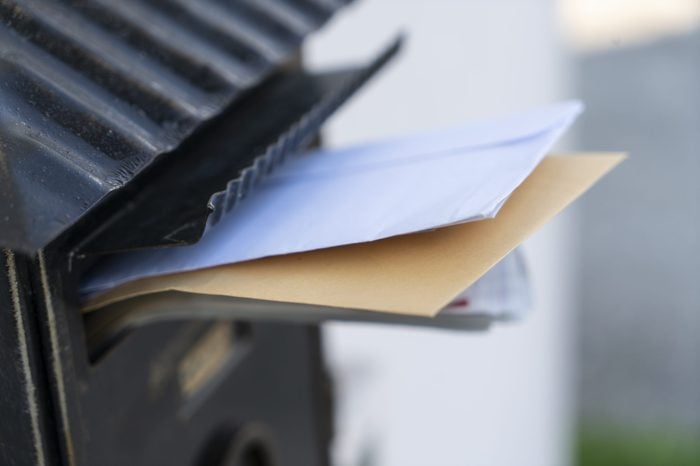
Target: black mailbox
(132,124)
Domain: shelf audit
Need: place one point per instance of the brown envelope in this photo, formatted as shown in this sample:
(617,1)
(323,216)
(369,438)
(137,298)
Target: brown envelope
(415,274)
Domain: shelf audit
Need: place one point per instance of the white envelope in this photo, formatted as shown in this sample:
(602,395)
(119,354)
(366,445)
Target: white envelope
(355,195)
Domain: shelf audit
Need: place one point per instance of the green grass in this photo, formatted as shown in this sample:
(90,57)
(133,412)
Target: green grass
(609,446)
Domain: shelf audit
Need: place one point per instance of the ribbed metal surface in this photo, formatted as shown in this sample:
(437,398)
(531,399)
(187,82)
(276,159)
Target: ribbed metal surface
(93,91)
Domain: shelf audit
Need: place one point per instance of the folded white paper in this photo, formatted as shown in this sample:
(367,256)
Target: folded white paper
(502,292)
(331,198)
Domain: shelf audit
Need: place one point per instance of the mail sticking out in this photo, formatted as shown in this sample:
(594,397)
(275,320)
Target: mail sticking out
(402,226)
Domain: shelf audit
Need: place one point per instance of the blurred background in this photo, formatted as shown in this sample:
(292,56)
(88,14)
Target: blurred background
(606,368)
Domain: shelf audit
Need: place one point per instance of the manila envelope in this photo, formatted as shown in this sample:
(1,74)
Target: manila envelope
(416,274)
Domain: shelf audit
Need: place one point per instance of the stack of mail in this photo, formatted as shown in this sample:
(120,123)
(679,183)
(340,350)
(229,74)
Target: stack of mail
(400,228)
